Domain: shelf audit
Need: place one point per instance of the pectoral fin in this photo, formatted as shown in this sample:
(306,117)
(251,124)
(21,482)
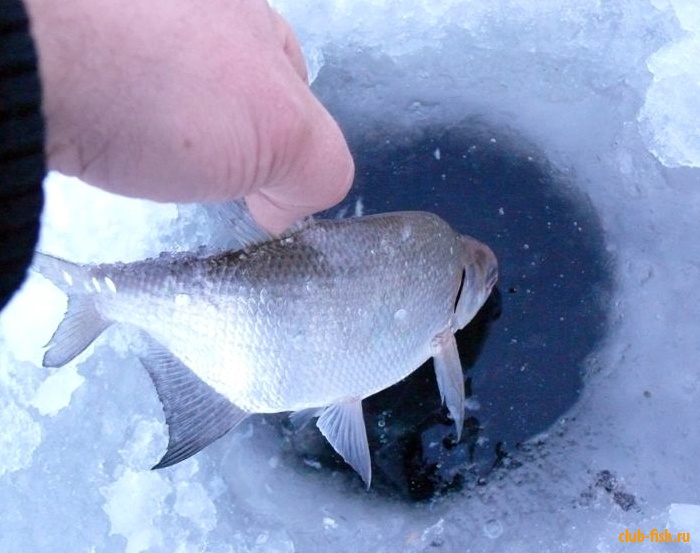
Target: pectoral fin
(448,371)
(195,413)
(344,427)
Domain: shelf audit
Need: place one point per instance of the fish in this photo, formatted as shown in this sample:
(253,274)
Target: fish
(309,322)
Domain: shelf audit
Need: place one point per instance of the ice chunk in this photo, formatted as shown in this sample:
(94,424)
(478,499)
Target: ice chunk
(493,529)
(55,392)
(359,207)
(27,329)
(146,444)
(132,503)
(671,109)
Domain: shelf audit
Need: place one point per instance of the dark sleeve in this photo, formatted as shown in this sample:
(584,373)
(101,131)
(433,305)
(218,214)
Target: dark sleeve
(22,165)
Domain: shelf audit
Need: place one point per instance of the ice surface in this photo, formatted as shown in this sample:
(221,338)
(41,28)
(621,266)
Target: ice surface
(20,437)
(608,91)
(671,109)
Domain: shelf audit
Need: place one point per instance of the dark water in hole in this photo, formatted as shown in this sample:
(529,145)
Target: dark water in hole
(523,354)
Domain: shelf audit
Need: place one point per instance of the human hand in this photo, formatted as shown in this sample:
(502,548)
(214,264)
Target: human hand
(185,101)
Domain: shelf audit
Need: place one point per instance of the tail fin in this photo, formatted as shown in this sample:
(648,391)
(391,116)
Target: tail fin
(81,323)
(69,277)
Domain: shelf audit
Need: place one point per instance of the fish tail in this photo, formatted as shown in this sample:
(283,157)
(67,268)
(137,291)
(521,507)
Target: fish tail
(82,323)
(69,277)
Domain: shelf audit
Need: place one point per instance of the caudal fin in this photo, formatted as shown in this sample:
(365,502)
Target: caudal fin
(81,323)
(69,277)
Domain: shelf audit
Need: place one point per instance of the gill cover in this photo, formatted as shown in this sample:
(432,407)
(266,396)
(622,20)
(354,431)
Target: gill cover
(480,276)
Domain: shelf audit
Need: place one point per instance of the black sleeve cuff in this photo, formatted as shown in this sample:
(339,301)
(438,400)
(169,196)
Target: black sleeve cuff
(22,165)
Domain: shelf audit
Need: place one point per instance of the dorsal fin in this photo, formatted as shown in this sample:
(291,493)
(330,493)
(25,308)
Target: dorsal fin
(237,230)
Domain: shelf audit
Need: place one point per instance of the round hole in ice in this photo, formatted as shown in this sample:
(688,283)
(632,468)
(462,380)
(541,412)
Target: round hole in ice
(524,353)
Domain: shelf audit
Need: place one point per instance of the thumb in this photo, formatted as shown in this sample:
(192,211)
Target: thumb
(320,176)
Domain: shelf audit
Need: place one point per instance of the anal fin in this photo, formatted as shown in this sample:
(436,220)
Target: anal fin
(343,426)
(195,413)
(448,371)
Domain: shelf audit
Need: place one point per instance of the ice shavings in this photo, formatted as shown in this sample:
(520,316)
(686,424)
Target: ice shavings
(107,212)
(685,518)
(20,435)
(151,509)
(193,502)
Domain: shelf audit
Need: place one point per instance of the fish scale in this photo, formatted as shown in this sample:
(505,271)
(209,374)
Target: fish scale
(311,322)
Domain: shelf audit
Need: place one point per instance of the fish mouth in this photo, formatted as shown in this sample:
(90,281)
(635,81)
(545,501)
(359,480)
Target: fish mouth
(484,259)
(488,265)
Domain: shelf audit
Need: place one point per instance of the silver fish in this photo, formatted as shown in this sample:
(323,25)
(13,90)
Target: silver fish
(311,322)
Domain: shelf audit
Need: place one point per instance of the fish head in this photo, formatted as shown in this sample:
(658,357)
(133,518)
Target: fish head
(479,277)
